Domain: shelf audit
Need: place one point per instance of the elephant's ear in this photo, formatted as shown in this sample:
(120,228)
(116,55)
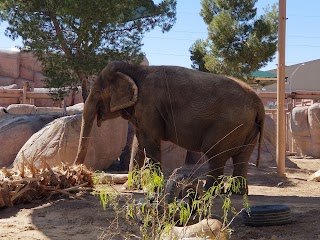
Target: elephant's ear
(124,92)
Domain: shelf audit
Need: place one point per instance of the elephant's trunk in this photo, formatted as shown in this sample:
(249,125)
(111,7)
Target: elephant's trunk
(88,116)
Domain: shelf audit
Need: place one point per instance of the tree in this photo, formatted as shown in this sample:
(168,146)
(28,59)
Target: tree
(239,42)
(75,39)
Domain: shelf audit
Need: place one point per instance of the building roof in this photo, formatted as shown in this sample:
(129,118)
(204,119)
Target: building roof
(264,75)
(304,76)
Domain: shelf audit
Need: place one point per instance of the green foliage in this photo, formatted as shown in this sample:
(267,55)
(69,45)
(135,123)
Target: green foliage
(239,42)
(75,39)
(149,178)
(155,215)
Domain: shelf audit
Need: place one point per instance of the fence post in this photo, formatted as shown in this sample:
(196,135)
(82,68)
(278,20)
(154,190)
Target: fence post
(31,89)
(24,92)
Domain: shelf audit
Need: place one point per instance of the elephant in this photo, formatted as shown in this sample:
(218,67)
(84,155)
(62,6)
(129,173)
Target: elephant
(199,111)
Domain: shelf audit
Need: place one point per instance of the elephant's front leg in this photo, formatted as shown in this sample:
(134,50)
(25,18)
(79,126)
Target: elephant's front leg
(143,146)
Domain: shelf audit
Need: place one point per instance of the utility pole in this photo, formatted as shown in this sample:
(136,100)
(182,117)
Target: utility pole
(281,123)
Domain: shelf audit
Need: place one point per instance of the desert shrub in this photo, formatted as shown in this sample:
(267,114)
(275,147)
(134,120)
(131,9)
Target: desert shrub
(169,203)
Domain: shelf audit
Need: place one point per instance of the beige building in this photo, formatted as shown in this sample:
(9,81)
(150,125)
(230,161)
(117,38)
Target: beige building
(299,77)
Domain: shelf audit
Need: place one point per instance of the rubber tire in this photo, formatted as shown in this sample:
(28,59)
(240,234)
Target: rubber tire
(267,215)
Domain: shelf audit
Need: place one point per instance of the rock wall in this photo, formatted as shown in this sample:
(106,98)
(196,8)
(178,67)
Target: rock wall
(16,68)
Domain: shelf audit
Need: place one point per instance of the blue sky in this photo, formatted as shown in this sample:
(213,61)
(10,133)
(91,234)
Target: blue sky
(172,48)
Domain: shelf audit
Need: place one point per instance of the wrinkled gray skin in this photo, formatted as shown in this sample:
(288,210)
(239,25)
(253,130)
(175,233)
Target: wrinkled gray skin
(198,111)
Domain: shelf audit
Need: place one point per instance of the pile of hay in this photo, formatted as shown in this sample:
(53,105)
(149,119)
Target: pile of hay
(29,183)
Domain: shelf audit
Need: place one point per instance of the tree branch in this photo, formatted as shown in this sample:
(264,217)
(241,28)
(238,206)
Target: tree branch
(60,35)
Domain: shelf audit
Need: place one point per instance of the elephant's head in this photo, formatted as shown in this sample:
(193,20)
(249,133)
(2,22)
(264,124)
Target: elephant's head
(112,92)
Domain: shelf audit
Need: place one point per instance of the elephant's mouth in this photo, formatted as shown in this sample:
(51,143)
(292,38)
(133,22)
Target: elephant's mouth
(100,118)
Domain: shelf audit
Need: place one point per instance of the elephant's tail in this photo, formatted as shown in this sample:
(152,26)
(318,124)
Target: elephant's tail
(260,122)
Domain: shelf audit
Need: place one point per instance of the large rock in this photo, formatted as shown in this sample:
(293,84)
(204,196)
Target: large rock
(315,177)
(15,131)
(75,109)
(268,148)
(205,229)
(58,142)
(6,81)
(20,109)
(314,126)
(172,156)
(305,130)
(3,111)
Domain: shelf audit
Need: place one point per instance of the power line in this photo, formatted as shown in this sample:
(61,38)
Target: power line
(168,54)
(169,38)
(297,36)
(297,45)
(303,16)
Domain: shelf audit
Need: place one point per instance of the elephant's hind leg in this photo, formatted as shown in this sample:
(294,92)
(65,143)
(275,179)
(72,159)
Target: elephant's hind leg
(240,167)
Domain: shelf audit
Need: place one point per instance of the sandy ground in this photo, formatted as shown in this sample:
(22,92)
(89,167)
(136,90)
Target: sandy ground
(85,219)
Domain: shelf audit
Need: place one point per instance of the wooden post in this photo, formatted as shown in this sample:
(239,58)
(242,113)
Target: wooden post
(24,92)
(281,124)
(31,89)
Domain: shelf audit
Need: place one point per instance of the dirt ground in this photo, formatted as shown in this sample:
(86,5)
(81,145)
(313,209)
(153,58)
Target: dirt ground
(85,219)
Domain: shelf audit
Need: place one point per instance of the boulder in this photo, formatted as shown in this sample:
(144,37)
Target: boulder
(41,110)
(3,111)
(315,177)
(75,109)
(268,148)
(20,109)
(6,81)
(15,131)
(299,129)
(172,156)
(58,142)
(205,229)
(20,82)
(305,130)
(12,86)
(314,126)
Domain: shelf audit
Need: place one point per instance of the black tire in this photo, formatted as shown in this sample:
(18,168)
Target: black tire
(267,215)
